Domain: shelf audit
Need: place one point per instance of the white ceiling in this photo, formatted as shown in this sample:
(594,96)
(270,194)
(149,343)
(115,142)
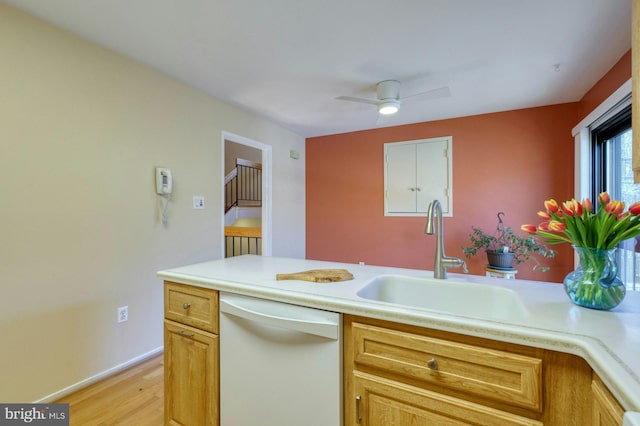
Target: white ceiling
(288,60)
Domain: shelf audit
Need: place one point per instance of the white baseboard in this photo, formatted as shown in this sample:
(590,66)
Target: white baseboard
(93,379)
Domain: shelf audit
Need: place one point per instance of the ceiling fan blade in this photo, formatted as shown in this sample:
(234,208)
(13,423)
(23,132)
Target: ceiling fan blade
(441,92)
(360,100)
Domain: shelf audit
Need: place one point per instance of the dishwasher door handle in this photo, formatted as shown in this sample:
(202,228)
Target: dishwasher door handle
(235,305)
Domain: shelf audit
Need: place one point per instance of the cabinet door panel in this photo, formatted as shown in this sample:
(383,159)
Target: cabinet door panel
(385,402)
(606,410)
(401,178)
(432,175)
(191,376)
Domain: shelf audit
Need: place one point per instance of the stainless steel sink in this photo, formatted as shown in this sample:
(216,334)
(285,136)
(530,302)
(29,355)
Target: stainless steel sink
(450,296)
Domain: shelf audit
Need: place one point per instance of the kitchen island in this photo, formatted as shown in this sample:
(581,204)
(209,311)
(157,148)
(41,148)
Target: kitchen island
(608,341)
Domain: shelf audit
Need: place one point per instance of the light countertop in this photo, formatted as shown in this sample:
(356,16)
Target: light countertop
(608,341)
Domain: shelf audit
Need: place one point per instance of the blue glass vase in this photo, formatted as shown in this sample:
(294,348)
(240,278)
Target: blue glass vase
(595,283)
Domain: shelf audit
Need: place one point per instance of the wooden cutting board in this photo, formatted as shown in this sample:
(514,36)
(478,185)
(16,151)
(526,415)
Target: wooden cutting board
(318,275)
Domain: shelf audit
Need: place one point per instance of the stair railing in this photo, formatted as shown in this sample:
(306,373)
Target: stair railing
(243,185)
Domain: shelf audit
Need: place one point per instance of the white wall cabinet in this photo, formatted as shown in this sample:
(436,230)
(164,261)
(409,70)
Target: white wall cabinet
(415,173)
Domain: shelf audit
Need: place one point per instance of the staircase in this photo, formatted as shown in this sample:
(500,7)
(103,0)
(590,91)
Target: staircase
(243,185)
(243,189)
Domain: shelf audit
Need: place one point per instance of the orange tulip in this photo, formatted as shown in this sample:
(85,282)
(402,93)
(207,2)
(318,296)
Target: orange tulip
(531,229)
(603,223)
(557,226)
(614,207)
(544,215)
(572,208)
(634,208)
(551,206)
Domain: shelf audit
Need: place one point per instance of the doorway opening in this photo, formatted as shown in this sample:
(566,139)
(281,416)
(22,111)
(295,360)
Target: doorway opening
(246,196)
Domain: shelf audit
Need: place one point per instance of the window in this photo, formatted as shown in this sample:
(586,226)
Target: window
(612,172)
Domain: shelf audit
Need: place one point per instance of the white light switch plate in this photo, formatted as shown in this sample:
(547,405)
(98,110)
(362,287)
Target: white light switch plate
(198,202)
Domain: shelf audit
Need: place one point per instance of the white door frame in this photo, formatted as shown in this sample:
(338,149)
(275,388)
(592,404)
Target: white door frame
(267,195)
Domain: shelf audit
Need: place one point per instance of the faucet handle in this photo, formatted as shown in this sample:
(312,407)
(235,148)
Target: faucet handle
(464,267)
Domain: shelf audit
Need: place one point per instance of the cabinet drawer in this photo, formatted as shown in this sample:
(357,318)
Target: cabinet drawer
(488,373)
(191,305)
(381,402)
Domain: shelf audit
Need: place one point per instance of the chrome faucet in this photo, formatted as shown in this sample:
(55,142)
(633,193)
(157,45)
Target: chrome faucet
(442,262)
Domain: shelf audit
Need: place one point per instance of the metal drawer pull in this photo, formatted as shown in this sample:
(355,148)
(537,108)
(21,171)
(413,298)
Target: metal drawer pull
(186,305)
(358,416)
(185,334)
(432,364)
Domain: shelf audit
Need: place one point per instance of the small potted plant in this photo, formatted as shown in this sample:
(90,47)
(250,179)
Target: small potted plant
(504,247)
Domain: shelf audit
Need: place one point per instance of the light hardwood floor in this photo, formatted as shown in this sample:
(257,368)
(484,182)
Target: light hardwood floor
(131,397)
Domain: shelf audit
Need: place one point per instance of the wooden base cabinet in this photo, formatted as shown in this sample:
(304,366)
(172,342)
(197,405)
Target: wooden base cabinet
(397,374)
(191,371)
(606,409)
(191,356)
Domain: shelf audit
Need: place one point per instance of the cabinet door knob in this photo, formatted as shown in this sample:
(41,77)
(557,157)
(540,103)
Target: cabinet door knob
(185,334)
(186,305)
(358,416)
(412,189)
(432,364)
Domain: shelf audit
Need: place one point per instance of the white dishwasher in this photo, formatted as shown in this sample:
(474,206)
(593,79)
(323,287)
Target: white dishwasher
(280,364)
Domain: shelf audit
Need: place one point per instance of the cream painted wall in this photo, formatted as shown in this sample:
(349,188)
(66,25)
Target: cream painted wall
(233,151)
(81,130)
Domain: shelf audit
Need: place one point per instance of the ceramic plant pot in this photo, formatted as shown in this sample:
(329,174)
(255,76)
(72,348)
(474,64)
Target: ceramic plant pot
(500,259)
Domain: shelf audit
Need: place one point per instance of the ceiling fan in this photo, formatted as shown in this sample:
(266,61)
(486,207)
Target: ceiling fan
(388,96)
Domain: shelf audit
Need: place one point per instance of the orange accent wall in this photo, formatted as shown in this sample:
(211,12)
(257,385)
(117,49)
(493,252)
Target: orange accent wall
(509,161)
(608,84)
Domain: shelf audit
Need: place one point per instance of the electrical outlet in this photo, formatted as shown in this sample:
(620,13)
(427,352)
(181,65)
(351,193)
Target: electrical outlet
(123,314)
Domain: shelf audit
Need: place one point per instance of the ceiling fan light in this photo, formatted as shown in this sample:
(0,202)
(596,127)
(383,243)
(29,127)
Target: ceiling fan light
(388,107)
